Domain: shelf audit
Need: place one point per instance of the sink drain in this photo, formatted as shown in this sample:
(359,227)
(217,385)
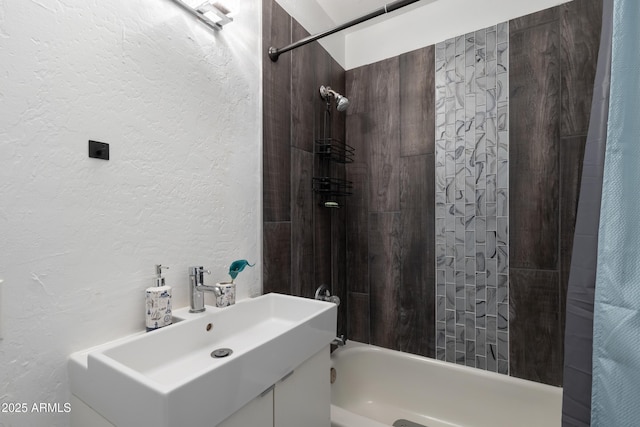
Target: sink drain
(221,352)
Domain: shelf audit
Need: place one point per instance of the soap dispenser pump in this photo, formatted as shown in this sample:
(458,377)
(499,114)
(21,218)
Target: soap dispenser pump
(158,303)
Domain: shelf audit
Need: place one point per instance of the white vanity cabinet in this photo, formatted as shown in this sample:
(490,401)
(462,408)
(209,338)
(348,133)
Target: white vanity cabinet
(300,399)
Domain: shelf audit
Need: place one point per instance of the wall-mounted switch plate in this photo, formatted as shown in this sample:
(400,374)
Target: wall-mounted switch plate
(98,150)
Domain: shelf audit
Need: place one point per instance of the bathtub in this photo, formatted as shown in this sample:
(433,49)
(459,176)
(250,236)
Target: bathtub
(376,387)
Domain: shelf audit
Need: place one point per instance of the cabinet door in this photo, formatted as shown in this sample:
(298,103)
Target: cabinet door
(304,398)
(257,413)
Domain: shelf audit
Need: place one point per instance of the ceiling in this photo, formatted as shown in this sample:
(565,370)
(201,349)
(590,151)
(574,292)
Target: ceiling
(341,11)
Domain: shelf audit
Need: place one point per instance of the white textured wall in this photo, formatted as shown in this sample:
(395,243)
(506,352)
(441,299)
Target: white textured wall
(180,108)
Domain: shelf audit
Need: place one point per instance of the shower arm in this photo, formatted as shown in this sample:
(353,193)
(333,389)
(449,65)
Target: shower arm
(274,53)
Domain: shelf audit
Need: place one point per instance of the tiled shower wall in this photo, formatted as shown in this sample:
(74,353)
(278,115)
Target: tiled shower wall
(471,199)
(388,285)
(303,242)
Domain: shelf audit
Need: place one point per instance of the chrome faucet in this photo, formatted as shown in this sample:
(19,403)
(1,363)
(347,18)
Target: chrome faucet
(198,288)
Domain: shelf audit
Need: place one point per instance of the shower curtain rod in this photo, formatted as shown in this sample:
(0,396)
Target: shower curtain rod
(389,7)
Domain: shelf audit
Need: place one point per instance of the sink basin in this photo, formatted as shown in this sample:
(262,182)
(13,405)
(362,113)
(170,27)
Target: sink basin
(169,376)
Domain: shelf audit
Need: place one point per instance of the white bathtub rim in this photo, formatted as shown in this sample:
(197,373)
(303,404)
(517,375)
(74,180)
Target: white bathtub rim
(356,347)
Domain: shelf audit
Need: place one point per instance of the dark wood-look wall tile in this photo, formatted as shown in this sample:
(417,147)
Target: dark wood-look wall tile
(382,133)
(276,257)
(580,24)
(415,328)
(303,91)
(571,160)
(357,88)
(533,147)
(534,19)
(359,317)
(417,102)
(276,115)
(339,266)
(534,340)
(322,229)
(357,225)
(302,238)
(338,83)
(385,273)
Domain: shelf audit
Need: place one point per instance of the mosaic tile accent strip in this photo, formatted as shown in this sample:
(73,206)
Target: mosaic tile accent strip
(472,199)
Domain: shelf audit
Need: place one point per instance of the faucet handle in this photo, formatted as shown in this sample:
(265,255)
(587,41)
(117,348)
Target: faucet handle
(198,270)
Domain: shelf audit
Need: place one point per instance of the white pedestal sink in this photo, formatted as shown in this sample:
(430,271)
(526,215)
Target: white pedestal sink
(168,377)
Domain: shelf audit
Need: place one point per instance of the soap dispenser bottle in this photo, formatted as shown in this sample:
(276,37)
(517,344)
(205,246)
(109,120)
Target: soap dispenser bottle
(158,303)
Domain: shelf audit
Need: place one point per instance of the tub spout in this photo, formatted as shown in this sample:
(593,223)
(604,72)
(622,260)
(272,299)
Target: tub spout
(339,341)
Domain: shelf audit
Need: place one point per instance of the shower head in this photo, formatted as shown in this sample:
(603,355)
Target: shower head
(341,101)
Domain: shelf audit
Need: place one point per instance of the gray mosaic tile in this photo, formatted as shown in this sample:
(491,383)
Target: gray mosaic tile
(440,52)
(440,335)
(502,31)
(451,349)
(503,346)
(490,48)
(481,335)
(492,159)
(480,259)
(492,329)
(503,290)
(503,317)
(503,367)
(492,362)
(460,338)
(469,244)
(470,80)
(503,116)
(481,228)
(441,354)
(481,37)
(481,362)
(502,205)
(502,59)
(470,297)
(441,306)
(503,260)
(460,286)
(450,323)
(491,104)
(461,314)
(492,306)
(450,54)
(471,194)
(450,299)
(481,287)
(503,231)
(449,270)
(441,125)
(469,48)
(481,207)
(490,245)
(470,353)
(481,235)
(440,279)
(502,88)
(492,277)
(491,219)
